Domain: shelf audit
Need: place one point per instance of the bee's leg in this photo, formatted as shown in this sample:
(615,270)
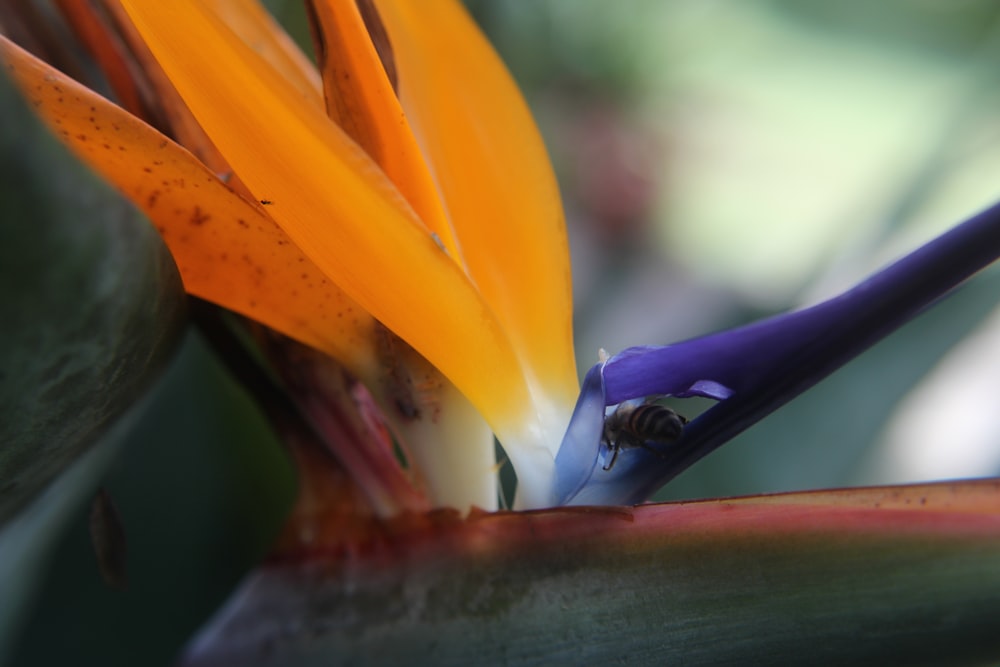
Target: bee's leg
(614,449)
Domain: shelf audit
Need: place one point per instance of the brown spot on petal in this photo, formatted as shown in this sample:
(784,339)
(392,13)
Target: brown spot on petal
(198,217)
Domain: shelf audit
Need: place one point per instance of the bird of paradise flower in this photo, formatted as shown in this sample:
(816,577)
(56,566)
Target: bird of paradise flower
(428,241)
(406,190)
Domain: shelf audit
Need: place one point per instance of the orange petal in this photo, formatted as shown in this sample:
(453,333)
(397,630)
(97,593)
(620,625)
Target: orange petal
(255,26)
(93,31)
(177,119)
(252,23)
(492,168)
(228,250)
(335,203)
(360,98)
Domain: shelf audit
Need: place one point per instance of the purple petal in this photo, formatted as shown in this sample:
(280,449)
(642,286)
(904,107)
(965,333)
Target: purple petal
(577,455)
(755,369)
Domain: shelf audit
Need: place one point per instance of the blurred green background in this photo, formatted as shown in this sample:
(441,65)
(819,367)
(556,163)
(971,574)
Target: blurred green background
(726,160)
(719,161)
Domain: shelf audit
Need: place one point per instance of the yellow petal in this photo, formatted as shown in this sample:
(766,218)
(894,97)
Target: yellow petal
(360,98)
(492,168)
(228,250)
(335,204)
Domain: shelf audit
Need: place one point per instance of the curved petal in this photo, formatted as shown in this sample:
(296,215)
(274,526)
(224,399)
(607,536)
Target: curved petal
(252,23)
(177,118)
(94,32)
(783,354)
(361,99)
(228,250)
(336,205)
(444,437)
(257,28)
(494,174)
(578,451)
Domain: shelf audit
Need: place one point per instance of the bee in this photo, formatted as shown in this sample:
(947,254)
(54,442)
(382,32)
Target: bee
(640,425)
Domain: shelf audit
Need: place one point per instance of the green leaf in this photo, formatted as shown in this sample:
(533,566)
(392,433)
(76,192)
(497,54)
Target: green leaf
(906,575)
(203,487)
(90,301)
(91,306)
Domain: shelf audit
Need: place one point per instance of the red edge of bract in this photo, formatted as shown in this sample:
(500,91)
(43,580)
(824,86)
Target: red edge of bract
(925,512)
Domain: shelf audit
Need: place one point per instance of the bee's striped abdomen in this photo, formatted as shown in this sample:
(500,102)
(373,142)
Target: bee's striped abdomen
(655,422)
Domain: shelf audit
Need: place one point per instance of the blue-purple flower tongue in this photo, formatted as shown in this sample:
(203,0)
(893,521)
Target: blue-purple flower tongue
(754,369)
(578,452)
